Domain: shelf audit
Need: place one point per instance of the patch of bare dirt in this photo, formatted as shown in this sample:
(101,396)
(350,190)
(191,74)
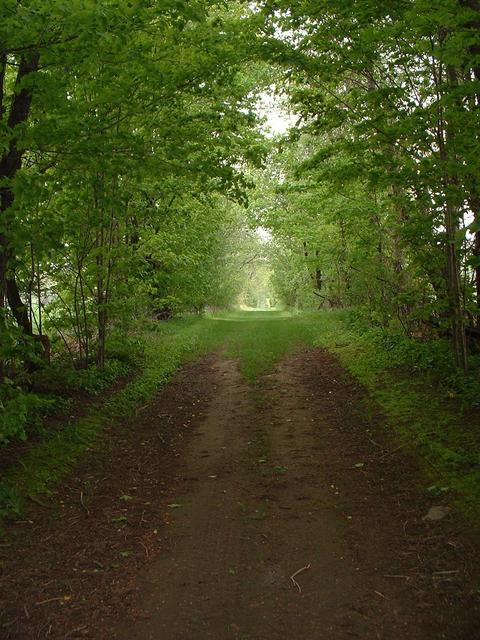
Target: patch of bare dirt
(414,577)
(259,512)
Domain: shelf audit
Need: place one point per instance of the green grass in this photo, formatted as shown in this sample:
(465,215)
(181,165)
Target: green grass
(418,413)
(258,339)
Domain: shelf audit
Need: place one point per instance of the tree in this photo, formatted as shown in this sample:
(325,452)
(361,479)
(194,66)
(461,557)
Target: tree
(115,115)
(393,87)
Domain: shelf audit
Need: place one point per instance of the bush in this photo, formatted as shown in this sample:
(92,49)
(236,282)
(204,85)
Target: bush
(126,349)
(94,379)
(19,412)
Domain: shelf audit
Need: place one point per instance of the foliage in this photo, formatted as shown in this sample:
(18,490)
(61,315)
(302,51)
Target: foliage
(112,182)
(125,128)
(378,189)
(63,380)
(19,412)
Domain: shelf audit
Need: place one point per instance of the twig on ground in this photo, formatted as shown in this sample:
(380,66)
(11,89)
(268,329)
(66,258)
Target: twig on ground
(389,452)
(37,501)
(376,444)
(37,604)
(294,575)
(444,572)
(76,630)
(85,508)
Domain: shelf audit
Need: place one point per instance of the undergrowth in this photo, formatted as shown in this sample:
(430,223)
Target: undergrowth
(27,399)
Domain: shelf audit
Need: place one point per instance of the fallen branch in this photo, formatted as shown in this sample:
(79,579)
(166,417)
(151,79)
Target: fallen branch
(389,453)
(294,575)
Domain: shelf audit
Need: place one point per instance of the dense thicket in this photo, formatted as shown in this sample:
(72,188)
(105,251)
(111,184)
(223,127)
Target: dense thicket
(378,204)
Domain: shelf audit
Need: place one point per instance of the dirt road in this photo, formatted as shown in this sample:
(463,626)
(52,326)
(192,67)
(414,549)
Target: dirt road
(266,494)
(275,511)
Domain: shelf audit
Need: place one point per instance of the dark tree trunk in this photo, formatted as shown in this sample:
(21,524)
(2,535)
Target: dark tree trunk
(10,163)
(18,308)
(318,274)
(474,200)
(476,253)
(452,216)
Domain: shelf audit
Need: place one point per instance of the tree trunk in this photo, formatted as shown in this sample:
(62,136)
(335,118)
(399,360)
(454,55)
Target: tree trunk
(317,276)
(474,200)
(3,243)
(454,290)
(474,203)
(10,163)
(18,307)
(476,253)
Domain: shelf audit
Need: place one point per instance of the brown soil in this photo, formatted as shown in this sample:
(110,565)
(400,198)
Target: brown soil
(192,523)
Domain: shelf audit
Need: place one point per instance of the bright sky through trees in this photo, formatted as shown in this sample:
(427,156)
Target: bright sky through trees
(278,119)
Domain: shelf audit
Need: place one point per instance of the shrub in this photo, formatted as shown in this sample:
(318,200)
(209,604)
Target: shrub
(19,411)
